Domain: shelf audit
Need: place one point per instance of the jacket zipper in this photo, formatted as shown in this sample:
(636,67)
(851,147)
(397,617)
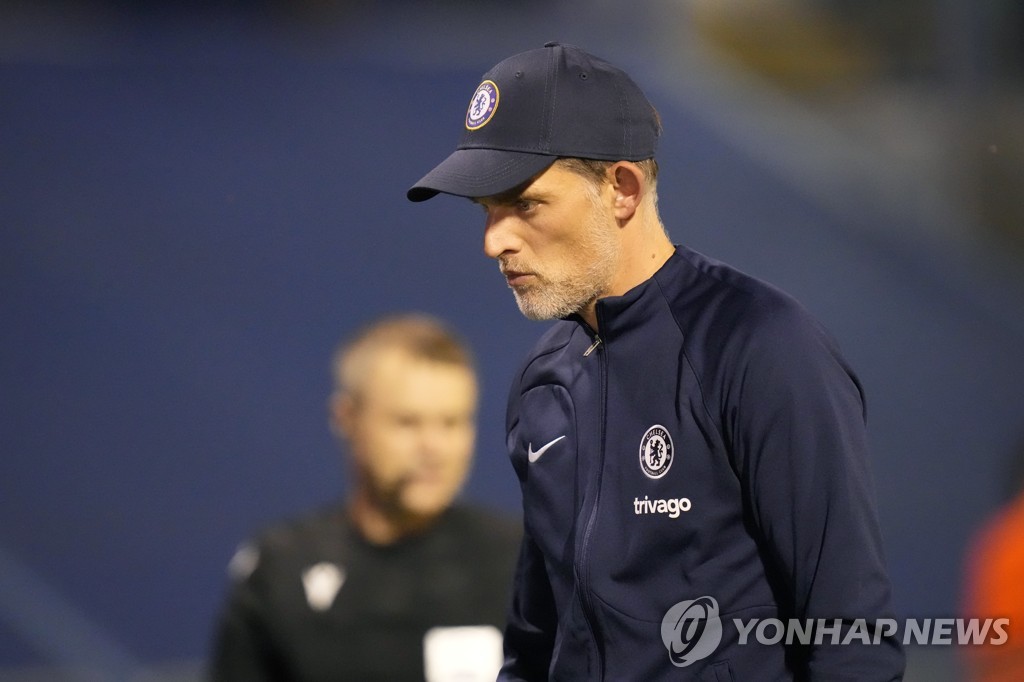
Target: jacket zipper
(583,565)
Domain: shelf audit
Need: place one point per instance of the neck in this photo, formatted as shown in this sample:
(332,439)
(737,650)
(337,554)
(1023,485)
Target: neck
(643,251)
(381,525)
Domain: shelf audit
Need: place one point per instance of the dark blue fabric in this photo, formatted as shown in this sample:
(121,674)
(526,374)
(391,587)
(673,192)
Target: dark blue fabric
(767,444)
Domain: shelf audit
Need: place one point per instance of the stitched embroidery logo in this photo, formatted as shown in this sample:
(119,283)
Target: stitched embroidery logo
(656,451)
(482,105)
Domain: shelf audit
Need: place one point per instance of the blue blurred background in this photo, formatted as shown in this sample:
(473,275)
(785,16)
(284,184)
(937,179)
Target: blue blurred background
(199,199)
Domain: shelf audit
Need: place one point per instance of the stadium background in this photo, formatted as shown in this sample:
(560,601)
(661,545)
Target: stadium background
(197,200)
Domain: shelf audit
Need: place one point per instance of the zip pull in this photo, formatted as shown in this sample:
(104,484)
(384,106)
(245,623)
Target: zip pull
(597,342)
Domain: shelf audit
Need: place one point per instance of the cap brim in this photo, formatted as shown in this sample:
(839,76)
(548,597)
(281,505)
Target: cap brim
(479,173)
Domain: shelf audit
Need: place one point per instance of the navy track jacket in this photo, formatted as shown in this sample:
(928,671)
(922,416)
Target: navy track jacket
(701,461)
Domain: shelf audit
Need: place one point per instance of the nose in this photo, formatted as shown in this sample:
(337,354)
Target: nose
(431,438)
(436,442)
(499,236)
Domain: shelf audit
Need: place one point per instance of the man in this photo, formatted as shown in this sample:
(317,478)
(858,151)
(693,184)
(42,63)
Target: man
(689,442)
(389,584)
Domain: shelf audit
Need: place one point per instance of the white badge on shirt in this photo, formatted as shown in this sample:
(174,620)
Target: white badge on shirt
(469,653)
(322,582)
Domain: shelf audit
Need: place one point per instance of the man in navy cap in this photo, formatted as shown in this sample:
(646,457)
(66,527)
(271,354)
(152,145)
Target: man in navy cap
(689,441)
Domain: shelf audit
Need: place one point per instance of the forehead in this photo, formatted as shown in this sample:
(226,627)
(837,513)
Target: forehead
(398,377)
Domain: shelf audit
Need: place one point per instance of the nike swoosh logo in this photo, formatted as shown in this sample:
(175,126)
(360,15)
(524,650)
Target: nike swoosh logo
(534,456)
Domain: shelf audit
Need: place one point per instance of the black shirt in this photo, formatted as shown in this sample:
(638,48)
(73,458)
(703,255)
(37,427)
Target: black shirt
(318,602)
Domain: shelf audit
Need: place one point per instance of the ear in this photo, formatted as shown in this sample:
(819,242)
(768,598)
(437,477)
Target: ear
(342,413)
(628,185)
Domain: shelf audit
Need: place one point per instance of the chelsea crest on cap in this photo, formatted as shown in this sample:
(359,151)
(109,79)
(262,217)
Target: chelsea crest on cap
(535,107)
(482,106)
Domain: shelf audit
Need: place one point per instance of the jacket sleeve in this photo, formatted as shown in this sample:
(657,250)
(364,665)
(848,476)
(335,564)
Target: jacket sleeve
(530,627)
(532,618)
(797,424)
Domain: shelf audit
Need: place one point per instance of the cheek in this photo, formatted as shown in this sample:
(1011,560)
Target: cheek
(569,244)
(385,451)
(460,461)
(459,452)
(552,260)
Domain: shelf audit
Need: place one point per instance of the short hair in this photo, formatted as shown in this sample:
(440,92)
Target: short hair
(421,336)
(596,169)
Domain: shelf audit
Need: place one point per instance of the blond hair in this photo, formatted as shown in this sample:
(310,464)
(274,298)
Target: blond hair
(421,336)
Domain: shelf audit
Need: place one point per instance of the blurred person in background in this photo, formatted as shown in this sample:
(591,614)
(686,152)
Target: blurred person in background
(398,581)
(994,584)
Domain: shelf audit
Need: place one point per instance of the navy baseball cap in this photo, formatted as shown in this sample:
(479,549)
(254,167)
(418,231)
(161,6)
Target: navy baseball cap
(535,107)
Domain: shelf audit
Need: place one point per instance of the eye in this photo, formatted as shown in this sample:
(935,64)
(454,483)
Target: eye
(524,205)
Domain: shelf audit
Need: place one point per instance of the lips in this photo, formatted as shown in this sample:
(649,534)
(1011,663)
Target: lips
(516,278)
(513,275)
